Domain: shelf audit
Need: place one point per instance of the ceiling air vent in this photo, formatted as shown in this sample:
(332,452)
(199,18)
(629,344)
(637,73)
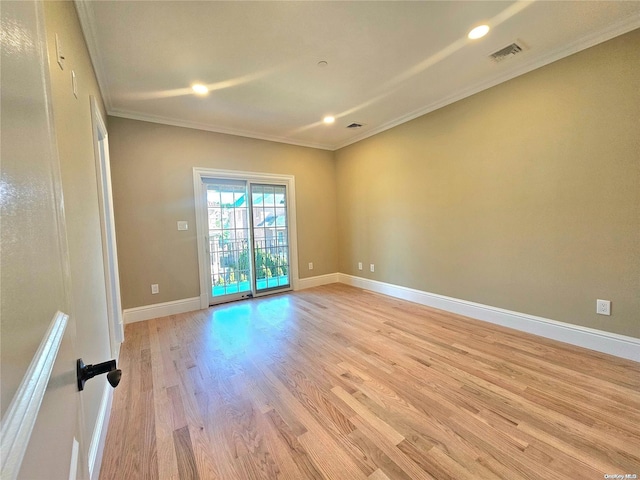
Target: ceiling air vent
(354,125)
(506,52)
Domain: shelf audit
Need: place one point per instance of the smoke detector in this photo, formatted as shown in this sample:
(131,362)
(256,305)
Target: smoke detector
(355,125)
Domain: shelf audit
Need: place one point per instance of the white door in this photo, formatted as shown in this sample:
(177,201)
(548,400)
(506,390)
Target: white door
(40,399)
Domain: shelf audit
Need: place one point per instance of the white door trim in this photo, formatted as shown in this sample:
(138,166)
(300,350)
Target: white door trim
(201,221)
(107,228)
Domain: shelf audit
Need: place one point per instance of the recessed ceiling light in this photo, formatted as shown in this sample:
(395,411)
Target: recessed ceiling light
(200,89)
(328,119)
(478,32)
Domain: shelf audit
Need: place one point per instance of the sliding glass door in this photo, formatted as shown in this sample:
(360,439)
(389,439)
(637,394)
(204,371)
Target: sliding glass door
(247,238)
(228,239)
(270,236)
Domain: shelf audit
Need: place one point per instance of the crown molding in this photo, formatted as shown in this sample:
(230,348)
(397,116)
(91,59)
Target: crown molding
(213,128)
(86,17)
(535,62)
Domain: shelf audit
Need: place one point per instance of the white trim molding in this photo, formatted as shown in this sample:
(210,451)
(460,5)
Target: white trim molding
(611,343)
(176,122)
(96,447)
(107,227)
(86,16)
(147,312)
(598,340)
(20,417)
(317,281)
(533,63)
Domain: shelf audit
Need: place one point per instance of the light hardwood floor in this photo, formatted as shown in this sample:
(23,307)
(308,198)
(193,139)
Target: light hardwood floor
(339,383)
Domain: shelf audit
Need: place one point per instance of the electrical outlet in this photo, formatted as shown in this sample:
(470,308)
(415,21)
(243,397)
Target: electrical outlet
(372,268)
(310,265)
(603,307)
(155,289)
(359,265)
(182,225)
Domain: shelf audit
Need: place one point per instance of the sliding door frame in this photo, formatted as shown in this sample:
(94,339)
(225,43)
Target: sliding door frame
(199,191)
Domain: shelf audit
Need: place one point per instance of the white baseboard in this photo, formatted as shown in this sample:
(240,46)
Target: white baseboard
(598,340)
(317,281)
(147,312)
(96,447)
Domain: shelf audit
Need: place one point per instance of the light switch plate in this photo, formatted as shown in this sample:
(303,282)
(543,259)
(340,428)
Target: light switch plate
(59,55)
(74,83)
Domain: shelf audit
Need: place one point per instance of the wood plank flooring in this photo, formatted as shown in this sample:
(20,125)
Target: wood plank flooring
(339,383)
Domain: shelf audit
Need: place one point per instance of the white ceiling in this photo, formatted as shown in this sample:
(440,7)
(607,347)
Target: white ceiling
(388,62)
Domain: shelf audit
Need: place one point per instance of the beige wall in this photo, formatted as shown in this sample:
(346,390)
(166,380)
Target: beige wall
(151,166)
(73,126)
(525,196)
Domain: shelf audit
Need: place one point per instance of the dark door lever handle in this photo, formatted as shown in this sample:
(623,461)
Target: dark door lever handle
(86,372)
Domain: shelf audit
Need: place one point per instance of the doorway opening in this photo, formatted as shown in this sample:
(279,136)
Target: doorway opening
(107,228)
(246,234)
